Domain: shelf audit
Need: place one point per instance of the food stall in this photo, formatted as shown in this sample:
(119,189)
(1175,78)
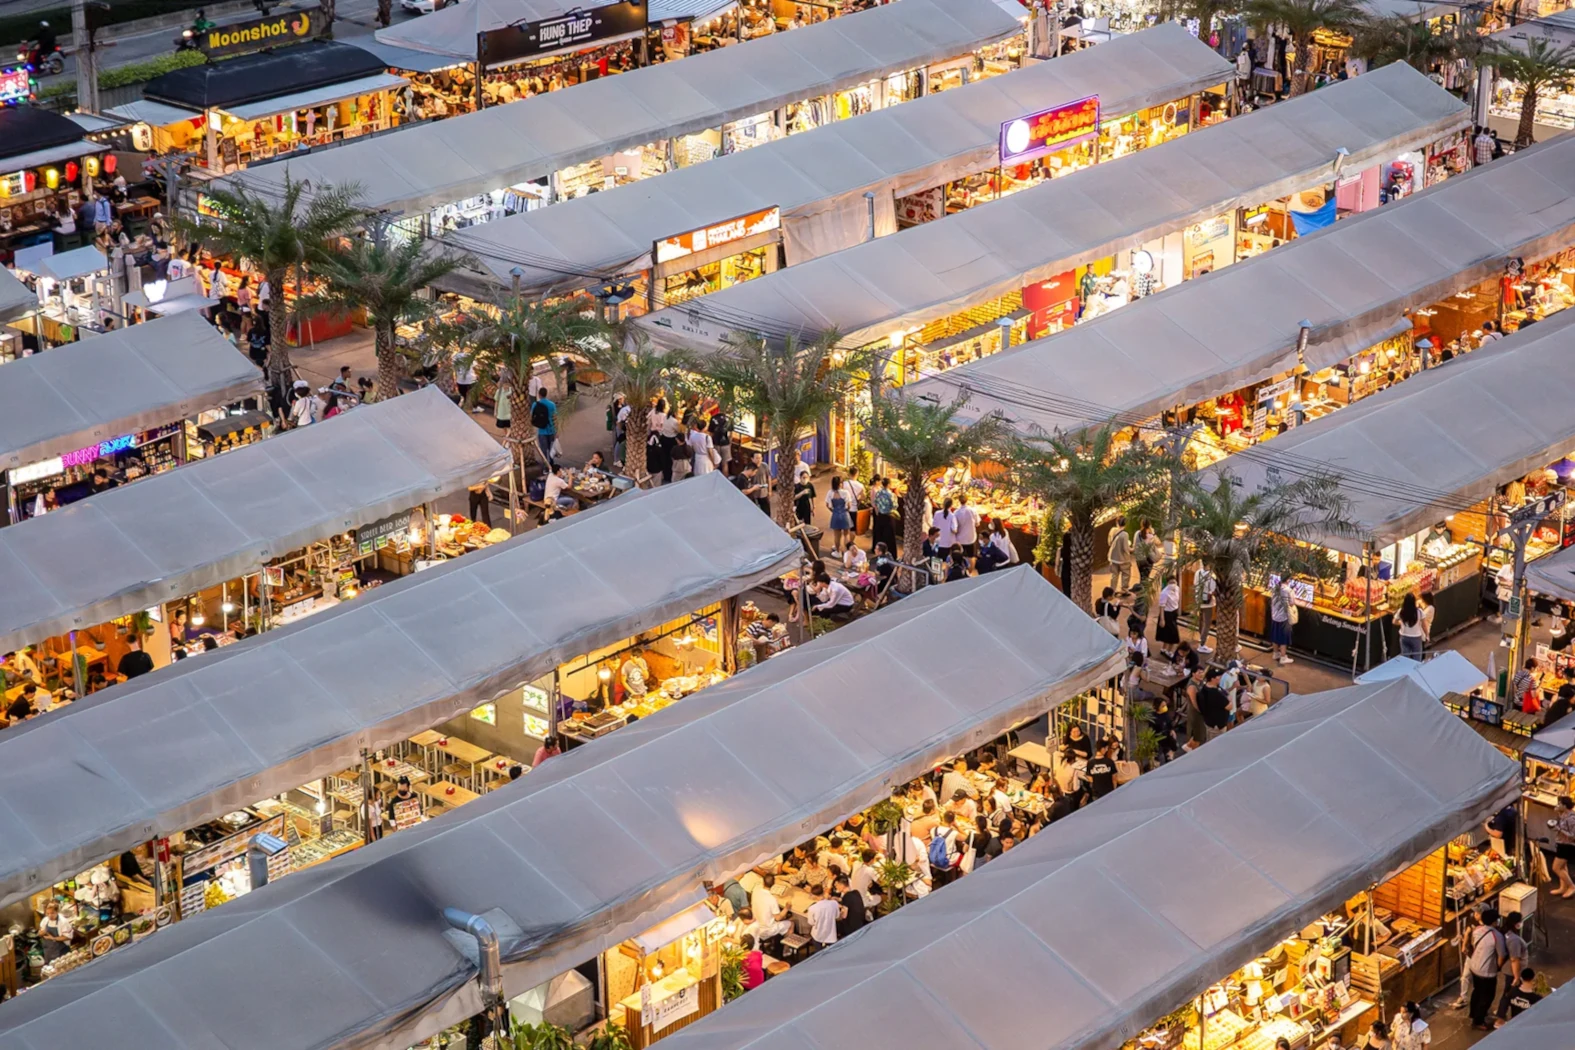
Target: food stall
(76,292)
(46,164)
(254,107)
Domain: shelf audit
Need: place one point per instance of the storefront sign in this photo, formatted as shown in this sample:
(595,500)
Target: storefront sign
(681,1004)
(370,537)
(1537,509)
(290,28)
(48,468)
(575,29)
(1271,391)
(692,241)
(16,86)
(1048,130)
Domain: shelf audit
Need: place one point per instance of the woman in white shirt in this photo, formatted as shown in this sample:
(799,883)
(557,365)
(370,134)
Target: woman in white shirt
(1166,632)
(854,559)
(702,458)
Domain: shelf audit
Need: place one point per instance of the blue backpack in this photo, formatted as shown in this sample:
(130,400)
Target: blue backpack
(938,858)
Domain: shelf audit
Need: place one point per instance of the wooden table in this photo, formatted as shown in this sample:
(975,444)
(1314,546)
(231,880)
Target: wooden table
(464,752)
(427,739)
(1032,753)
(439,792)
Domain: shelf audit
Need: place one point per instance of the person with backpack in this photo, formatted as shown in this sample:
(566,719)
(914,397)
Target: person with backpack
(720,427)
(1486,953)
(1205,589)
(544,417)
(944,851)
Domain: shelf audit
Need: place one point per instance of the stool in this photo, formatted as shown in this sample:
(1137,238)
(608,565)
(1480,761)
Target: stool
(795,947)
(458,772)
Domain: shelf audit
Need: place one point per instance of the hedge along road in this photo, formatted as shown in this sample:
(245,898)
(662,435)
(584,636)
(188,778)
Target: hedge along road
(355,21)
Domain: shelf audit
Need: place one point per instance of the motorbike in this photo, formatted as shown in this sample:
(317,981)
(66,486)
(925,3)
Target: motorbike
(43,64)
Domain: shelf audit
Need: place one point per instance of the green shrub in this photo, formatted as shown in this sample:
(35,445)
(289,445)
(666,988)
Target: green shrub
(134,73)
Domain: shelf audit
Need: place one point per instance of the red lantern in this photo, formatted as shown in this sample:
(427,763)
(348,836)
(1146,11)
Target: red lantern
(71,171)
(109,164)
(30,179)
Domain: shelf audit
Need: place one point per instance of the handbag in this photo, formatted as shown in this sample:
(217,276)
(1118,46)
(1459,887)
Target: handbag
(1296,614)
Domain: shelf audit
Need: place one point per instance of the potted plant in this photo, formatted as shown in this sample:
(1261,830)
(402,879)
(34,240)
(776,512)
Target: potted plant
(732,972)
(886,818)
(895,877)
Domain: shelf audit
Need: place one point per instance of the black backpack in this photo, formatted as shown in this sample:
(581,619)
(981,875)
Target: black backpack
(540,416)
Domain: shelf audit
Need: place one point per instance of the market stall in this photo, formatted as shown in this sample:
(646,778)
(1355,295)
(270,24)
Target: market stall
(1446,546)
(1555,106)
(908,293)
(1353,282)
(46,164)
(1286,819)
(250,108)
(571,142)
(405,452)
(97,402)
(17,301)
(629,860)
(76,292)
(742,217)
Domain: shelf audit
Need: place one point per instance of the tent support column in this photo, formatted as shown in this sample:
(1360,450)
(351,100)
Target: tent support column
(76,669)
(426,510)
(514,504)
(728,626)
(1367,608)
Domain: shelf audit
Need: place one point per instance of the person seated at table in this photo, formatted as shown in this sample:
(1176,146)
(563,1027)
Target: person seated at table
(1185,658)
(556,495)
(596,461)
(1062,804)
(835,600)
(963,806)
(957,777)
(920,792)
(96,681)
(1075,745)
(754,965)
(41,699)
(927,822)
(854,559)
(766,910)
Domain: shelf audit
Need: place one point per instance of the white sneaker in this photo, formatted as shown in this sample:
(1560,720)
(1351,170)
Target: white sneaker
(1286,660)
(1205,649)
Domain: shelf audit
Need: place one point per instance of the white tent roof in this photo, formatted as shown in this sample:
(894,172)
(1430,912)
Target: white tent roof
(317,96)
(16,298)
(135,378)
(135,546)
(678,10)
(452,31)
(891,151)
(1558,29)
(1445,672)
(600,843)
(1441,441)
(1114,916)
(1545,1026)
(268,714)
(1353,281)
(448,160)
(1553,575)
(78,262)
(942,267)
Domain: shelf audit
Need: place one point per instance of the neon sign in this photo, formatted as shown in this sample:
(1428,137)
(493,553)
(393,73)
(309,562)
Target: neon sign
(1048,130)
(16,86)
(48,468)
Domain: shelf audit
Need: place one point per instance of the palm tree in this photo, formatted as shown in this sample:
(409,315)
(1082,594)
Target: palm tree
(1412,40)
(386,281)
(1079,478)
(1303,18)
(787,386)
(522,333)
(277,237)
(1541,68)
(1244,537)
(918,437)
(640,374)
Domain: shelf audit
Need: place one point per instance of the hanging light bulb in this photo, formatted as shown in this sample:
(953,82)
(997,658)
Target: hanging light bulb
(228,607)
(197,619)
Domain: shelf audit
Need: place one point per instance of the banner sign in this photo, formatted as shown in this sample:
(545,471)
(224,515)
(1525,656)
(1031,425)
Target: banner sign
(16,86)
(575,29)
(370,537)
(1048,130)
(692,241)
(292,27)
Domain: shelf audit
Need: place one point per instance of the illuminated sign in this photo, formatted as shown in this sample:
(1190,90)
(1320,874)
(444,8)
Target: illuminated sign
(258,33)
(582,27)
(692,241)
(16,85)
(1048,130)
(48,468)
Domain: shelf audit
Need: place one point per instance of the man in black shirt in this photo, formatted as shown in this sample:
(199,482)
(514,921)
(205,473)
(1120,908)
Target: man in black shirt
(748,482)
(1564,701)
(1502,825)
(136,662)
(1524,995)
(1213,705)
(1101,772)
(853,902)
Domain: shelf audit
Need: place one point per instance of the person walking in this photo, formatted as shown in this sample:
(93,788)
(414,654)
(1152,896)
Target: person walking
(841,507)
(1518,958)
(1409,1031)
(1120,556)
(703,458)
(1167,632)
(1564,846)
(1413,635)
(945,522)
(967,527)
(544,417)
(1205,591)
(1485,957)
(1280,621)
(1145,551)
(883,526)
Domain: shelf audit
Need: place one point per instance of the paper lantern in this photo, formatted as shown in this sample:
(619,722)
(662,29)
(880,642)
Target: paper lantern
(72,171)
(109,164)
(91,164)
(52,177)
(30,181)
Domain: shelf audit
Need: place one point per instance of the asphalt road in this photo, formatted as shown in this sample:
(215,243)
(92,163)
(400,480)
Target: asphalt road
(354,21)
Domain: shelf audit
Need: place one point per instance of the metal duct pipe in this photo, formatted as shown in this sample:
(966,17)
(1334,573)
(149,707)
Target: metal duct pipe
(490,960)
